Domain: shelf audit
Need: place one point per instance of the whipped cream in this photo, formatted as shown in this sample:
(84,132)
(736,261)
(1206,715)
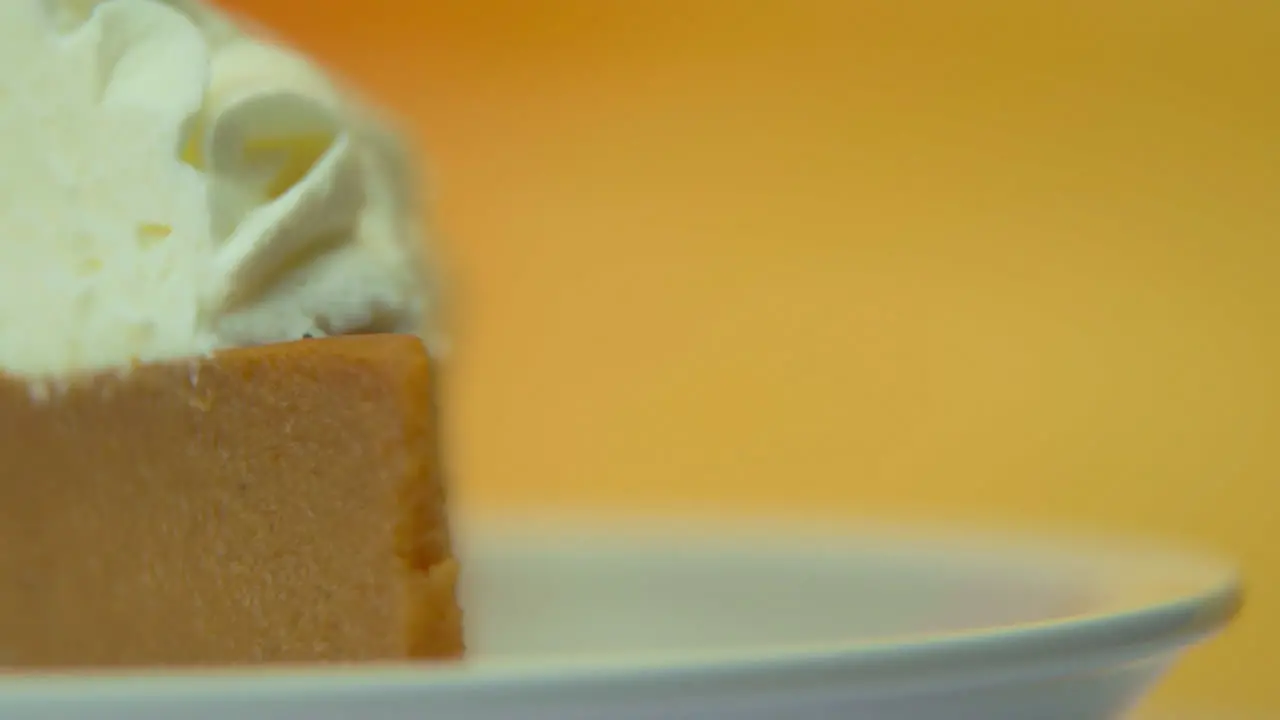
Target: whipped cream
(172,185)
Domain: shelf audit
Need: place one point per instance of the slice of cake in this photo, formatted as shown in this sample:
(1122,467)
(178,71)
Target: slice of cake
(280,503)
(217,331)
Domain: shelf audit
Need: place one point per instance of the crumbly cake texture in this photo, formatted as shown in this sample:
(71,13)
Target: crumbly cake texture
(281,503)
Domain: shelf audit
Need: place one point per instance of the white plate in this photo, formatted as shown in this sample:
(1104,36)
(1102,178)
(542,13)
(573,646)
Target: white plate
(748,621)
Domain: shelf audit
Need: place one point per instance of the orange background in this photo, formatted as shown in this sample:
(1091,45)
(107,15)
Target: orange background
(990,259)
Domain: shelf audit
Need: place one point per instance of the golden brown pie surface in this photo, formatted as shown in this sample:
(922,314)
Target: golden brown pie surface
(276,503)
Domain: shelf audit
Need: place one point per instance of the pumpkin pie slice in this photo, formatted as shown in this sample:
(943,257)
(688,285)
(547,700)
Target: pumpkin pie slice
(279,503)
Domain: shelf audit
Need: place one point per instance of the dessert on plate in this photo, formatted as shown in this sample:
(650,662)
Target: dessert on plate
(217,343)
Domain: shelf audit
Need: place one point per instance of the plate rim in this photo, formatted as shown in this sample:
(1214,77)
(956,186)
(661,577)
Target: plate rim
(1213,595)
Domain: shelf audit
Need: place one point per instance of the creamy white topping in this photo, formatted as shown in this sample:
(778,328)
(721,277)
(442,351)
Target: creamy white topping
(170,185)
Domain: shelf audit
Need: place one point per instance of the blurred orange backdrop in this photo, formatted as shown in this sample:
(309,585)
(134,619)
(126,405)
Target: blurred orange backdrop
(989,259)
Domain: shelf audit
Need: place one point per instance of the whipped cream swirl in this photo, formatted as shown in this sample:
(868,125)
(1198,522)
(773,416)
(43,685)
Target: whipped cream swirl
(174,185)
